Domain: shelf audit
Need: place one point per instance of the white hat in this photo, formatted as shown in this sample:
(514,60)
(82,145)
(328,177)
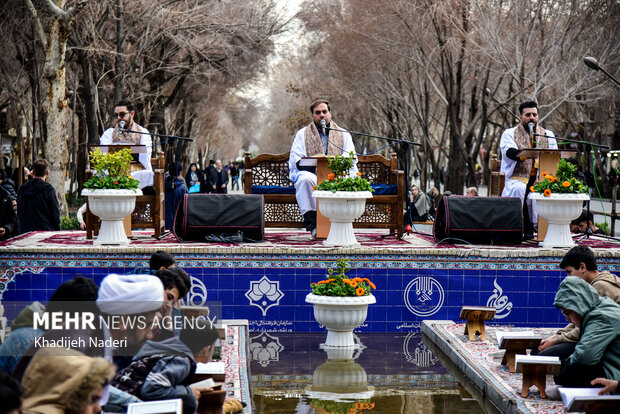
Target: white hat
(130,294)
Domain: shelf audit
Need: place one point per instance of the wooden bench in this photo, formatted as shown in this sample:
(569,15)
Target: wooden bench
(268,174)
(150,209)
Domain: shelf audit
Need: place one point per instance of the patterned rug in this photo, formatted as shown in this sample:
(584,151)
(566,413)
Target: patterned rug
(235,358)
(488,356)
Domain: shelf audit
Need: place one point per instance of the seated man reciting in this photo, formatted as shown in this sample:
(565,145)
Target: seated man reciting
(321,136)
(581,223)
(131,134)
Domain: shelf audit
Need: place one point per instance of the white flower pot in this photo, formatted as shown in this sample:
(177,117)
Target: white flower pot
(341,208)
(111,206)
(340,315)
(340,380)
(559,210)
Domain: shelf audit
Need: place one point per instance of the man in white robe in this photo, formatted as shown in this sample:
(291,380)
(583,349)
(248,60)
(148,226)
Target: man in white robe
(518,169)
(309,141)
(137,135)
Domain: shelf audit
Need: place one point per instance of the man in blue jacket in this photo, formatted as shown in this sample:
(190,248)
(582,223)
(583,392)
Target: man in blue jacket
(175,190)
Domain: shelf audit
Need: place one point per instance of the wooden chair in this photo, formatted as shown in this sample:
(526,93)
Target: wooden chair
(497,179)
(150,209)
(270,172)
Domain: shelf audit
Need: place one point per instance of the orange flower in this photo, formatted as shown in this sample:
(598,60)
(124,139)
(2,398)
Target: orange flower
(314,188)
(359,291)
(331,176)
(312,284)
(532,189)
(566,183)
(547,192)
(347,281)
(353,284)
(372,285)
(116,182)
(359,173)
(544,173)
(329,280)
(358,279)
(551,178)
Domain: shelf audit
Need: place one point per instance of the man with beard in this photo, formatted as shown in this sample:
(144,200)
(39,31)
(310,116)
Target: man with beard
(521,172)
(321,136)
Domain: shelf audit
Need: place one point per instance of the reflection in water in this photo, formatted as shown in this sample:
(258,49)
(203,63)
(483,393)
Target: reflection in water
(340,385)
(394,373)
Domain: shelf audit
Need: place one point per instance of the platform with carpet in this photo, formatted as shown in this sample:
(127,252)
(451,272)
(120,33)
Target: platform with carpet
(267,282)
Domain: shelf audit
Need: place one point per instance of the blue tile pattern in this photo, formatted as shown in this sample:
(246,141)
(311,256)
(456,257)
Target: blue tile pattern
(410,288)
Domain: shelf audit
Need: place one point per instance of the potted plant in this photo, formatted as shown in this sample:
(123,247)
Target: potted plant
(111,193)
(559,200)
(342,199)
(341,304)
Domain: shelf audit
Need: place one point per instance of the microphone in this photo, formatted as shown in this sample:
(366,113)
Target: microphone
(323,126)
(121,125)
(531,127)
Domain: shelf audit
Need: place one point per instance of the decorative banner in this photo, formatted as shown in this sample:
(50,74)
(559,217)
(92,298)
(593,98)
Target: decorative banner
(499,302)
(424,296)
(264,294)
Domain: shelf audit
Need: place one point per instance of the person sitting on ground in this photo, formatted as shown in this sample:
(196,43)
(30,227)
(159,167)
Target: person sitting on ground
(164,370)
(65,381)
(580,224)
(21,337)
(597,354)
(419,207)
(471,192)
(175,288)
(609,386)
(158,261)
(175,189)
(10,394)
(581,262)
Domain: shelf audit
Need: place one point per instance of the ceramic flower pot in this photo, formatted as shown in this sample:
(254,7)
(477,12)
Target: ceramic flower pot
(559,210)
(341,208)
(111,206)
(340,380)
(340,316)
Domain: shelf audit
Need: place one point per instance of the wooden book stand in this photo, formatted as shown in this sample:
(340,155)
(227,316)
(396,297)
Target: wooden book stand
(476,315)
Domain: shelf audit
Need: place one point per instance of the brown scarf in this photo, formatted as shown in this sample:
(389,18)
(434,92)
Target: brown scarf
(522,139)
(127,137)
(314,146)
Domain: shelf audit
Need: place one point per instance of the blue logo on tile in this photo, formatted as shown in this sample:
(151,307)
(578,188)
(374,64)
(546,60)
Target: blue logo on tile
(500,302)
(265,348)
(264,294)
(424,296)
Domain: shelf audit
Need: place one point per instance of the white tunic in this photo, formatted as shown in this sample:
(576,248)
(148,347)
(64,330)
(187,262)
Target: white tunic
(305,180)
(515,188)
(144,176)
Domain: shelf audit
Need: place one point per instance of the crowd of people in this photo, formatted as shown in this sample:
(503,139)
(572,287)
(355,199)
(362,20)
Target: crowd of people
(128,362)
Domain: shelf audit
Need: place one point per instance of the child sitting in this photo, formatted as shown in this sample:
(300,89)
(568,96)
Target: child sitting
(164,370)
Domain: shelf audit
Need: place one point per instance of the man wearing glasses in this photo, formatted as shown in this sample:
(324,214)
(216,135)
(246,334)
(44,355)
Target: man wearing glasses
(128,132)
(321,137)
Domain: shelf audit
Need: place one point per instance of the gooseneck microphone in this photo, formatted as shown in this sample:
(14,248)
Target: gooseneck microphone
(323,126)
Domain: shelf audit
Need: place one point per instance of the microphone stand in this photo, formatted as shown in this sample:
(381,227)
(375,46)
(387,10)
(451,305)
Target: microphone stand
(589,148)
(407,166)
(170,138)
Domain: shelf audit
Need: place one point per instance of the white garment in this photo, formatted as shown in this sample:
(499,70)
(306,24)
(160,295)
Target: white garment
(515,188)
(130,294)
(144,176)
(305,180)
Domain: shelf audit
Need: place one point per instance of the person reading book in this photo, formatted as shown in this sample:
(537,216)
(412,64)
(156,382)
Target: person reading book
(581,262)
(164,370)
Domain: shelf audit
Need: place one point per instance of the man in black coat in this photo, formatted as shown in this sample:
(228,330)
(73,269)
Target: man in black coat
(37,205)
(8,217)
(218,179)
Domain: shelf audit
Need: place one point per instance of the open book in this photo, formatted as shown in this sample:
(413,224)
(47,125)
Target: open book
(213,367)
(537,359)
(578,399)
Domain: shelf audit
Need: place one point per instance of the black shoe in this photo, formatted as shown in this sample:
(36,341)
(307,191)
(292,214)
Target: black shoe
(310,220)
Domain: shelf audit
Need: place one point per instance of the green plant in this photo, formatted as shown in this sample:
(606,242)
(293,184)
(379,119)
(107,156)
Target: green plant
(69,223)
(111,170)
(603,226)
(563,182)
(341,407)
(339,179)
(339,284)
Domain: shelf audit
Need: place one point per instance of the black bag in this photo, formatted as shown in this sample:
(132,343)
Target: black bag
(479,220)
(211,217)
